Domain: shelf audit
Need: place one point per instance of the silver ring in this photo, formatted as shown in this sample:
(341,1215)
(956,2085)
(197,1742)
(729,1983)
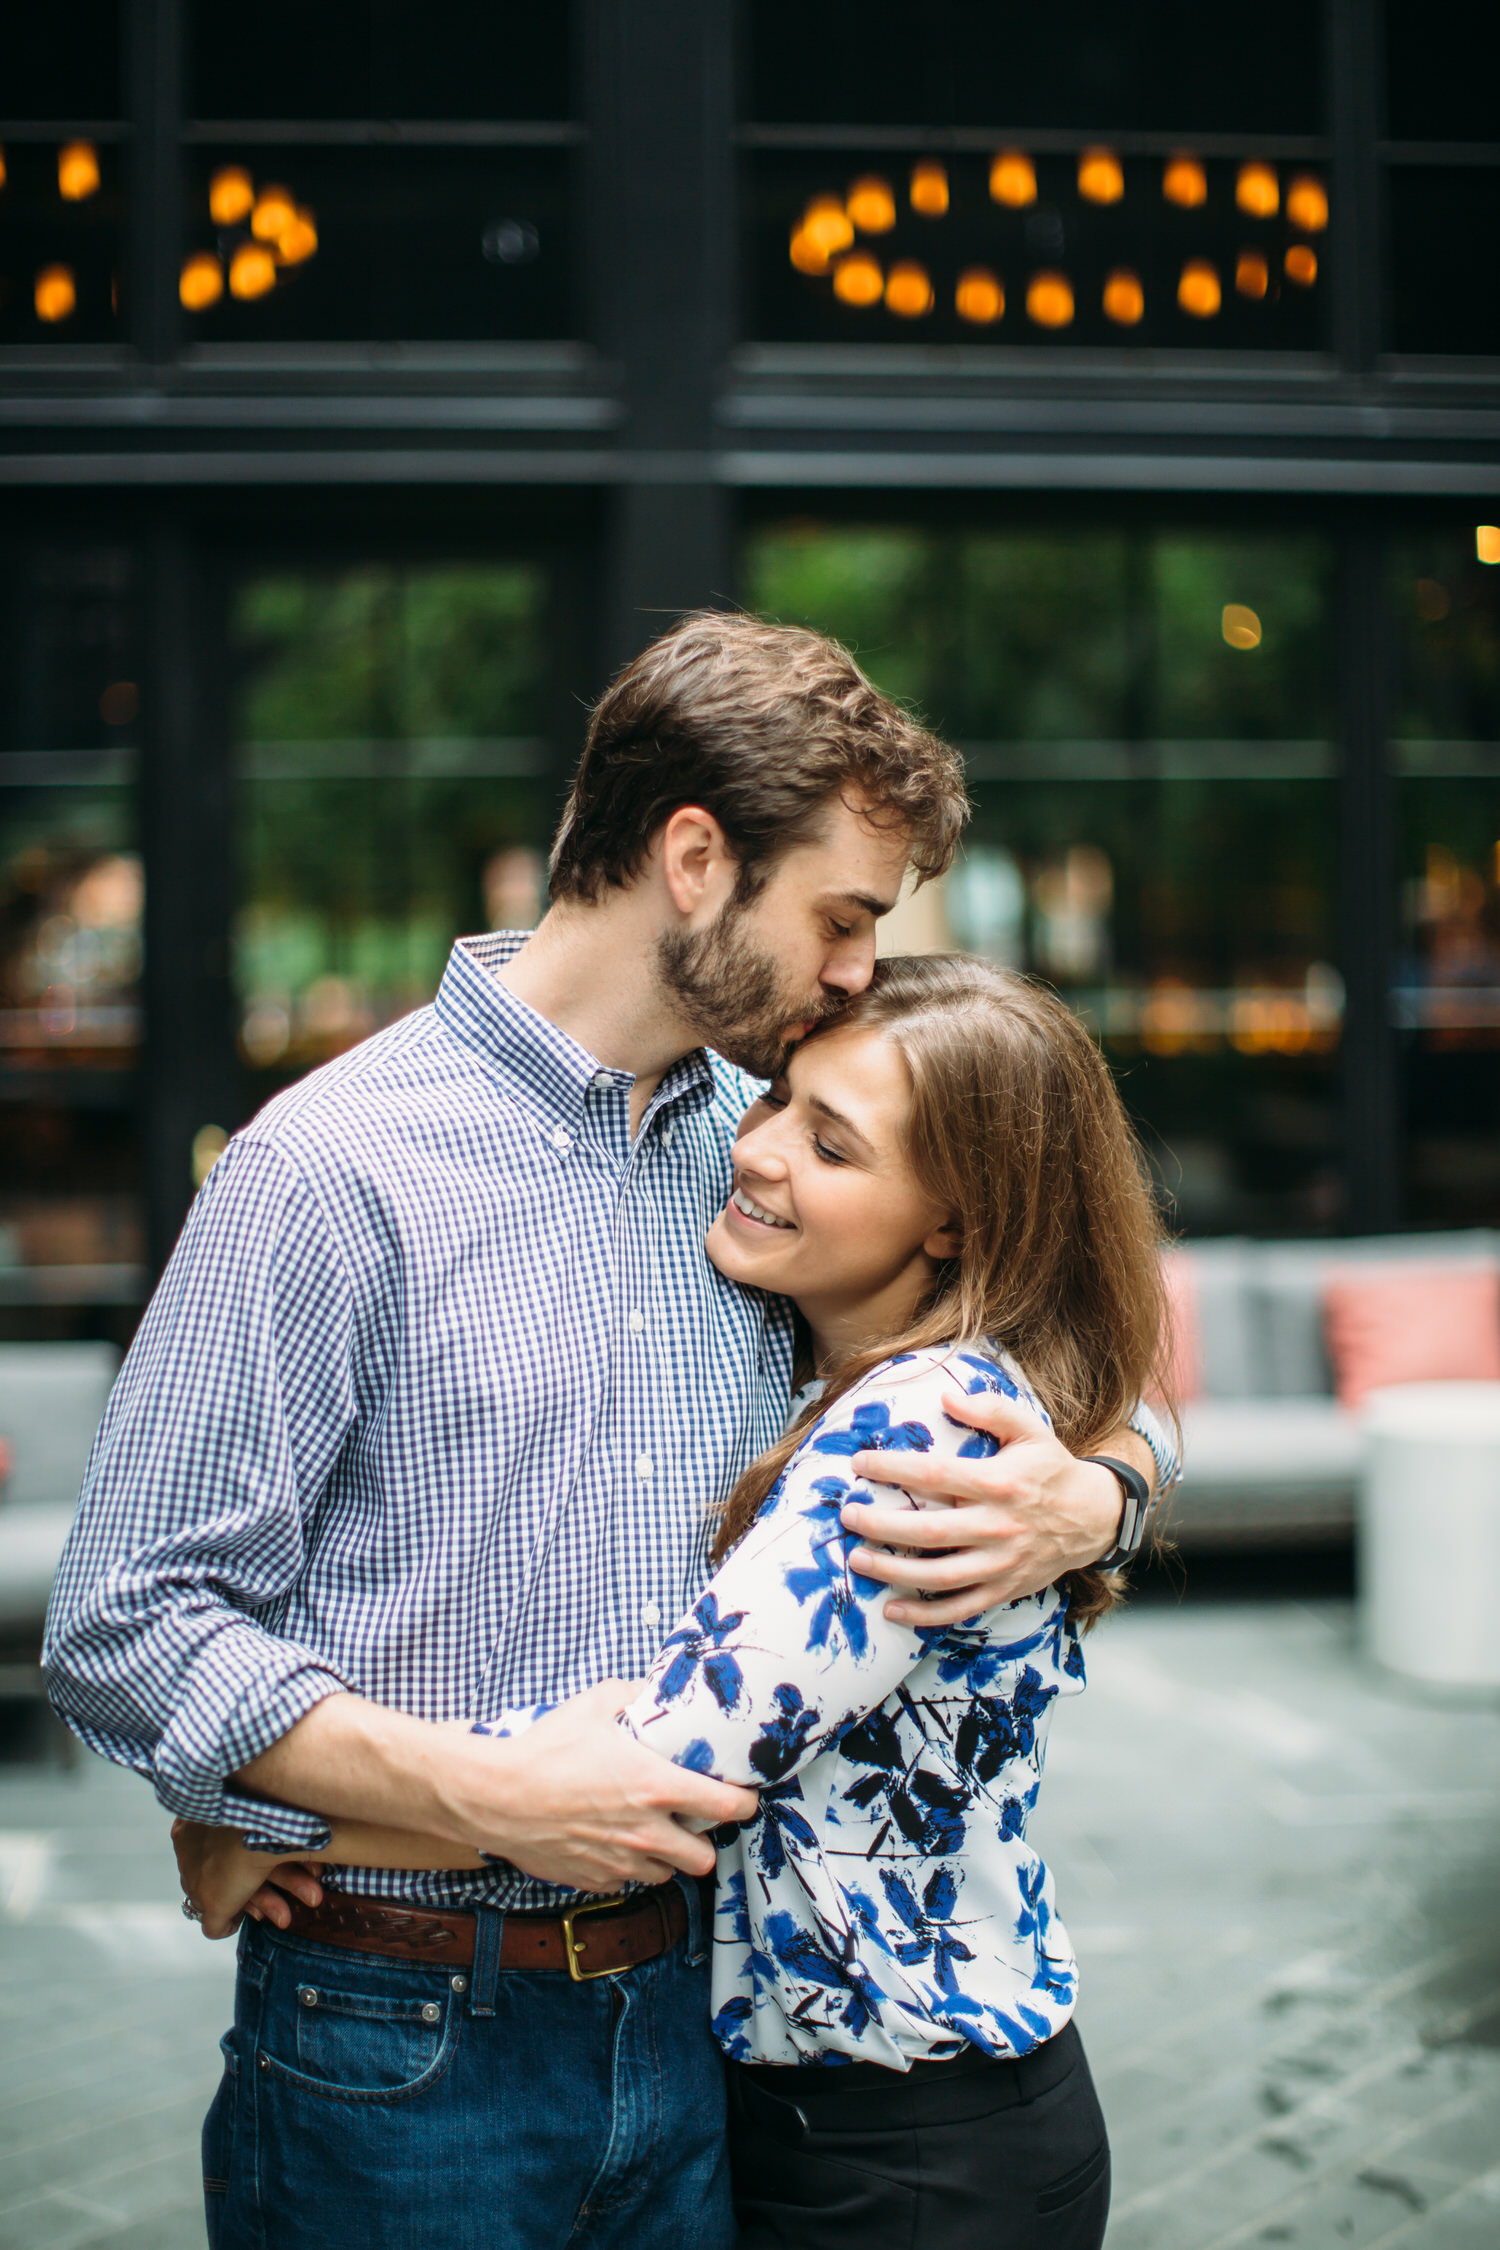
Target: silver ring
(191,1912)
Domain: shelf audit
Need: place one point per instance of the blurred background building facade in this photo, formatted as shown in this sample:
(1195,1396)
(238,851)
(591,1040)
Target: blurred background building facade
(1124,385)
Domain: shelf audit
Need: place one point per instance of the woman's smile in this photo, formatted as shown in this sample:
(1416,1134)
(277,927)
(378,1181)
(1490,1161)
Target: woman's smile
(744,1207)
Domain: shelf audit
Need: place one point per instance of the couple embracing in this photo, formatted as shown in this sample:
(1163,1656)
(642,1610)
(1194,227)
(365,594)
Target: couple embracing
(595,1520)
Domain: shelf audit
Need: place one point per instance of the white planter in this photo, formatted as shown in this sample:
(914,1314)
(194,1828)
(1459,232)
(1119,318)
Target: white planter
(1429,1531)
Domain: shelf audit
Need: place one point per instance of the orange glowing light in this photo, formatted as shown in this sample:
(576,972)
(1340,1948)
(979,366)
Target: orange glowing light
(929,189)
(1487,542)
(201,282)
(825,227)
(77,171)
(231,196)
(1184,182)
(1307,204)
(2,167)
(1198,290)
(872,206)
(1124,298)
(1302,265)
(56,293)
(1100,179)
(1049,300)
(298,242)
(273,213)
(1239,625)
(1257,191)
(805,254)
(908,290)
(252,272)
(1252,276)
(1013,179)
(858,280)
(980,296)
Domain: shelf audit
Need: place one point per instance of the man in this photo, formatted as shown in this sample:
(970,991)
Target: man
(425,1421)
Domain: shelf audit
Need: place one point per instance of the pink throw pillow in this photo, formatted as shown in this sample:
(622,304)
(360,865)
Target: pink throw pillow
(1182,1356)
(1411,1324)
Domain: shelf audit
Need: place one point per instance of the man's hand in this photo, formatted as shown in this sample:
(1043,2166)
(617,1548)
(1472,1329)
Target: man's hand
(225,1882)
(1031,1513)
(574,1800)
(583,1802)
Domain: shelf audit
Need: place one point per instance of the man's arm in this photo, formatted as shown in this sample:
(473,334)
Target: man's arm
(572,1800)
(1031,1514)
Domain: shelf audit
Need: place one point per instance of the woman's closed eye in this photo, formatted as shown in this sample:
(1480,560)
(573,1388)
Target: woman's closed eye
(827,1154)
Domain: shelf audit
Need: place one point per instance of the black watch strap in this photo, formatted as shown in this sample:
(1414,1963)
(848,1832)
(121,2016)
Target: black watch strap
(1134,1513)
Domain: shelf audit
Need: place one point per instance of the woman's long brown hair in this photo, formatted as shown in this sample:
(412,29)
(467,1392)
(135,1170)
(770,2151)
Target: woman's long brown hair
(1015,1126)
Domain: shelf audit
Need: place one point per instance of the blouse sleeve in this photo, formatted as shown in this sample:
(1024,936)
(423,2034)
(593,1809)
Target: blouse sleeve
(789,1647)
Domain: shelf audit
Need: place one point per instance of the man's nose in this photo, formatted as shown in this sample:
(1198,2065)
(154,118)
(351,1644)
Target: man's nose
(849,971)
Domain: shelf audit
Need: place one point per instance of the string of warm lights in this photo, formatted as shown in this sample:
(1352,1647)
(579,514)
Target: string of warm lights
(262,233)
(824,241)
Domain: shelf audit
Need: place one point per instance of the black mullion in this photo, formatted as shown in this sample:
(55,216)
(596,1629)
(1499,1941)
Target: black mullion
(1352,31)
(154,59)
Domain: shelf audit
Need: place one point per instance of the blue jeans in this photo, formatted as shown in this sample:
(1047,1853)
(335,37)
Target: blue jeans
(367,2105)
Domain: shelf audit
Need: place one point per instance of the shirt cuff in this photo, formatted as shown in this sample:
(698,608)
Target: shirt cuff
(1163,1451)
(244,1691)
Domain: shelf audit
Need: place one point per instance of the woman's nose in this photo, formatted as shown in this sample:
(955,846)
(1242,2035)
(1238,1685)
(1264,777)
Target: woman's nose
(759,1150)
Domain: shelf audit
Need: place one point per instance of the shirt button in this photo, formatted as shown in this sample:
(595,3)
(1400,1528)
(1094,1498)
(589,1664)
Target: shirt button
(666,1135)
(651,1613)
(637,1323)
(643,1465)
(562,1139)
(601,1079)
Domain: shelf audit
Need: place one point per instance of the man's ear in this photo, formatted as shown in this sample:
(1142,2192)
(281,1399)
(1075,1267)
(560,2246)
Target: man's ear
(945,1241)
(697,865)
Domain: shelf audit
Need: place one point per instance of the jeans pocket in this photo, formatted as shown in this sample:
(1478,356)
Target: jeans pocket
(363,2043)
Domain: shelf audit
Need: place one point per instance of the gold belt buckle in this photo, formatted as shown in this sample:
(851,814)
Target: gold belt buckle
(575,1945)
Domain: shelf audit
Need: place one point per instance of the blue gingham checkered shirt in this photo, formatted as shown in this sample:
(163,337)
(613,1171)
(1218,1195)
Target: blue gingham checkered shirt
(431,1404)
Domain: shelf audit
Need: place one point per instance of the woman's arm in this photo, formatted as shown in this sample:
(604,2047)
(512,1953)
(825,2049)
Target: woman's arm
(225,1881)
(790,1645)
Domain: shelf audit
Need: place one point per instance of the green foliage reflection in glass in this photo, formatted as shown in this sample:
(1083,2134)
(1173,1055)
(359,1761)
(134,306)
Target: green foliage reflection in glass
(1065,636)
(389,724)
(1154,815)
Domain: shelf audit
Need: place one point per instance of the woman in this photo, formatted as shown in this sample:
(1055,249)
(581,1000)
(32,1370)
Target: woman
(946,1186)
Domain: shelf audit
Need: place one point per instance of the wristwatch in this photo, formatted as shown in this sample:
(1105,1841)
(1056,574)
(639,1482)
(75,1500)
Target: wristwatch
(1134,1513)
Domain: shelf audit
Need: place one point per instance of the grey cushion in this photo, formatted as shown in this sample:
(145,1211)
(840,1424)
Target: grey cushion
(1265,1469)
(31,1543)
(52,1399)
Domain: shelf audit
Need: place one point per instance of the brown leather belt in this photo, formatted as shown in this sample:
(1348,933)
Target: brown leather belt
(599,1937)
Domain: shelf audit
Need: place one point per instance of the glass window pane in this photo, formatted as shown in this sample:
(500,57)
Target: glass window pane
(71,897)
(379,58)
(1447,1001)
(405,245)
(61,255)
(1165,68)
(875,246)
(1441,69)
(63,63)
(1445,245)
(393,791)
(1144,721)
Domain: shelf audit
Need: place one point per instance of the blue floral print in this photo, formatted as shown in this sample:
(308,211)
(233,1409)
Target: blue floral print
(884,1904)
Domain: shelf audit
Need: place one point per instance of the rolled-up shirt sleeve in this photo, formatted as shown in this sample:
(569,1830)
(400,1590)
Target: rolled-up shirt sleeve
(162,1650)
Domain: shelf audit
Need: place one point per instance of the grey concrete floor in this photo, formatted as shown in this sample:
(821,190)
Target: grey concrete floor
(1280,1874)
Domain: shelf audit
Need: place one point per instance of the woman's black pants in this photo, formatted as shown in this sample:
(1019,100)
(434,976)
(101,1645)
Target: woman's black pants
(968,2154)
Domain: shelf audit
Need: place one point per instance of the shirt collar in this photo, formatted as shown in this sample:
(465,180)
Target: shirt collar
(541,1060)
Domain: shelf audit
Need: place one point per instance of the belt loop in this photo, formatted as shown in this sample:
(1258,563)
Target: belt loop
(489,1927)
(696,1893)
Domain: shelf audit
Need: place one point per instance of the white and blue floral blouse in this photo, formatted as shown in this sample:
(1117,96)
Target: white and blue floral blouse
(884,1904)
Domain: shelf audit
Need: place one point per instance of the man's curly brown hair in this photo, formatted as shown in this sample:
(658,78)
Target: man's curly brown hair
(764,726)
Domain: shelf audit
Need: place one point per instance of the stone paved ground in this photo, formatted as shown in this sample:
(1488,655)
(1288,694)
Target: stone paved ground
(1280,1874)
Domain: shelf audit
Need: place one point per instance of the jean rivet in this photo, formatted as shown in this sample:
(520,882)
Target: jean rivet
(460,1984)
(432,2013)
(265,2062)
(307,1995)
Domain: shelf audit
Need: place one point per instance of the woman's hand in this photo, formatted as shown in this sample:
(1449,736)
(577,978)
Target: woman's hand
(225,1882)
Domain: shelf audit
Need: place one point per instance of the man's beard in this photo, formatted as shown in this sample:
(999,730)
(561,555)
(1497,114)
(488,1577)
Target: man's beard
(731,993)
